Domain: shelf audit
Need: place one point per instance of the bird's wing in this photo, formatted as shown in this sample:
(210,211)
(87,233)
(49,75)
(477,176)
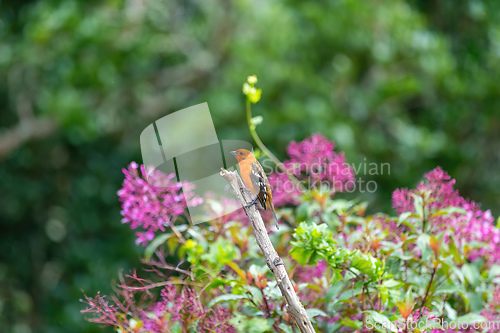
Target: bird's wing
(258,179)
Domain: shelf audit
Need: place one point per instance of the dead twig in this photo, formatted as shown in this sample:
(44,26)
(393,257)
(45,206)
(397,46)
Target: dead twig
(274,262)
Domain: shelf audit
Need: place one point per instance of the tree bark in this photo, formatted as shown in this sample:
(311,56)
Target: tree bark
(274,262)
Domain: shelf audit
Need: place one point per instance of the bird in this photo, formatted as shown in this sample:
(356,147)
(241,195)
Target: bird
(255,180)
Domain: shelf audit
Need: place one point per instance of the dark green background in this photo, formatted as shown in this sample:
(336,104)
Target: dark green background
(410,83)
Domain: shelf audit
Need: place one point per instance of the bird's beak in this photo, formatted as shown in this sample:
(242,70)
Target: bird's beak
(233,153)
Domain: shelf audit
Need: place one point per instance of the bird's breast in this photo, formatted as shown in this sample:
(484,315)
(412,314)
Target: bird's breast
(245,176)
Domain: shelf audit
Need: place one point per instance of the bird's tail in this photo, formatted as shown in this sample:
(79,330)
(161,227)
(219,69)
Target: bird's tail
(275,219)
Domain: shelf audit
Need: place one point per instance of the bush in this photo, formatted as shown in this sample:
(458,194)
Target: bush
(432,266)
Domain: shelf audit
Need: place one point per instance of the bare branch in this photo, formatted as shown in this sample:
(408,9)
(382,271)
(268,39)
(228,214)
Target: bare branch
(25,130)
(274,262)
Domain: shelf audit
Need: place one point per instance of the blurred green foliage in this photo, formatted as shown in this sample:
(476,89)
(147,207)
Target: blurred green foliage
(413,83)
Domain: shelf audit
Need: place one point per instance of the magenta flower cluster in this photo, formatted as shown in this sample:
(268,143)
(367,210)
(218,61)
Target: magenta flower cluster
(473,226)
(442,193)
(308,274)
(492,310)
(184,307)
(314,161)
(152,201)
(174,308)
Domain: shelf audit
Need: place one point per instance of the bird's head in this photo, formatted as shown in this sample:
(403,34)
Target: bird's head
(241,154)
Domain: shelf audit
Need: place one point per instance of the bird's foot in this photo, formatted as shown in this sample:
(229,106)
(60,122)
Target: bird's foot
(252,203)
(243,190)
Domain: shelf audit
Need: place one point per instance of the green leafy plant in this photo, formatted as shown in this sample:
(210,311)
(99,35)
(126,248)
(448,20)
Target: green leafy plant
(436,260)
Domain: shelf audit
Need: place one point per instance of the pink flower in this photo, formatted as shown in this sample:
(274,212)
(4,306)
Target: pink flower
(173,307)
(284,191)
(492,310)
(312,160)
(181,306)
(152,201)
(473,226)
(442,190)
(310,272)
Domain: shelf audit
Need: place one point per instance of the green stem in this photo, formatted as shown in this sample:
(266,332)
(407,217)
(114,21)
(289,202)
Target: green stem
(424,218)
(428,287)
(266,151)
(266,304)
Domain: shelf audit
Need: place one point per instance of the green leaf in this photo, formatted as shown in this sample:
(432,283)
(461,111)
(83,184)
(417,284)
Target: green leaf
(471,274)
(333,327)
(418,204)
(384,293)
(159,240)
(350,293)
(391,283)
(494,272)
(334,291)
(409,225)
(449,210)
(176,328)
(217,282)
(451,312)
(403,217)
(448,288)
(423,242)
(466,300)
(221,252)
(471,318)
(250,324)
(382,320)
(356,324)
(453,250)
(301,254)
(331,219)
(256,293)
(393,265)
(301,212)
(312,312)
(225,298)
(337,276)
(475,301)
(172,244)
(286,328)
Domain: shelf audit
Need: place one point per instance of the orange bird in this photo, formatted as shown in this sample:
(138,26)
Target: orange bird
(255,180)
